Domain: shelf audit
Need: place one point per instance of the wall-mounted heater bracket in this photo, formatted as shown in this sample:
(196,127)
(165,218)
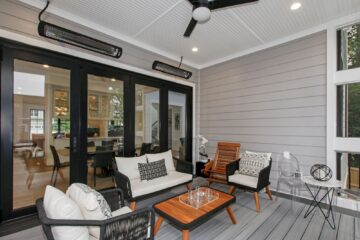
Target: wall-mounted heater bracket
(176,71)
(60,34)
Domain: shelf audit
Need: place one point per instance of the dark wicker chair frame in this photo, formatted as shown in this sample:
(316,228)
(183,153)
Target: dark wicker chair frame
(130,226)
(123,182)
(263,182)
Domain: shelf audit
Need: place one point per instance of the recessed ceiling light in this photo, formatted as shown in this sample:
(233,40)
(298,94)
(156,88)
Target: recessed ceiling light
(295,6)
(195,49)
(46,66)
(113,79)
(111,88)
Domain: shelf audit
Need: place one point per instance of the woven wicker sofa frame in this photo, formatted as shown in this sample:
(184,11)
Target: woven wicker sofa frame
(123,182)
(130,226)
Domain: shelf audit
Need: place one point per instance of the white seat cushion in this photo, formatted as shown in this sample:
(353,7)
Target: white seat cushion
(121,211)
(140,188)
(58,206)
(92,204)
(129,166)
(169,162)
(244,180)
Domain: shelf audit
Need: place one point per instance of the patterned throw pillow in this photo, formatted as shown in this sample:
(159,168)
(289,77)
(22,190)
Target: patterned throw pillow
(252,163)
(152,170)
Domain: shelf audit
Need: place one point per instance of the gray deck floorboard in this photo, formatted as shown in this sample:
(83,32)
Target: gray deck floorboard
(357,228)
(346,228)
(327,233)
(278,220)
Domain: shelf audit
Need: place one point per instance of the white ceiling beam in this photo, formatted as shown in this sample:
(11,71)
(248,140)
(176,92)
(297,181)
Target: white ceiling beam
(157,19)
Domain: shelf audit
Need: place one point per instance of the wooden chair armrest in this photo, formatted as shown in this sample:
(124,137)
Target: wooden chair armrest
(207,168)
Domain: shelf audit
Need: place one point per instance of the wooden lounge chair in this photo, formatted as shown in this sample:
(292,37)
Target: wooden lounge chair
(226,153)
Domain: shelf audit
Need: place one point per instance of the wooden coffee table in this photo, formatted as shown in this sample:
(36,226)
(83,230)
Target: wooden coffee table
(186,218)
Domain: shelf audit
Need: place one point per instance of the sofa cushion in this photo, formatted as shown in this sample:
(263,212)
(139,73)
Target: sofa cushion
(129,165)
(58,206)
(152,170)
(121,211)
(244,180)
(92,204)
(140,188)
(169,162)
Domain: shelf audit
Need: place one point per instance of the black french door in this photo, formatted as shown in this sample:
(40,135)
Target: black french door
(29,81)
(53,99)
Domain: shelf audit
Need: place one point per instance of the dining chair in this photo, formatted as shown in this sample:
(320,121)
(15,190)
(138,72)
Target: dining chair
(102,160)
(107,143)
(57,165)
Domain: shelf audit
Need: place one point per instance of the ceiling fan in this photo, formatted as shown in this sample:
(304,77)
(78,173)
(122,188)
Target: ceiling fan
(202,10)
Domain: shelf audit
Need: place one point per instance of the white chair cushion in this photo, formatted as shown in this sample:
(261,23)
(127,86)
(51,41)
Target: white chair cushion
(92,204)
(58,206)
(244,180)
(121,211)
(140,188)
(169,162)
(129,166)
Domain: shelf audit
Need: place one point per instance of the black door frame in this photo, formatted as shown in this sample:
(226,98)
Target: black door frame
(7,114)
(79,68)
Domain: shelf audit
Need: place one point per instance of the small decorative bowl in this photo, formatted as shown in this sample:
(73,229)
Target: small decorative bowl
(321,172)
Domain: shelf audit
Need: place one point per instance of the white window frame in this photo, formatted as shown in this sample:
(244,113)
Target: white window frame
(334,78)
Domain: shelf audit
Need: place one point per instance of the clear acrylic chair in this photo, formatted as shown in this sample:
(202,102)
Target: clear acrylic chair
(289,180)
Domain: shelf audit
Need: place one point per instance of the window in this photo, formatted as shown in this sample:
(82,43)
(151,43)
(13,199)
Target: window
(349,47)
(343,100)
(348,110)
(348,166)
(37,121)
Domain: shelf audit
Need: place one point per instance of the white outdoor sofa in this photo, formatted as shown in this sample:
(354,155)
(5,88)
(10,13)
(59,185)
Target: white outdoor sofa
(127,176)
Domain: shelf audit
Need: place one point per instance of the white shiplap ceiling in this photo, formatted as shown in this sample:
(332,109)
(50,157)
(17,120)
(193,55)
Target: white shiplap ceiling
(159,25)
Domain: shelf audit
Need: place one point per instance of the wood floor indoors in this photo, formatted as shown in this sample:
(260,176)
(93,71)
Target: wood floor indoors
(279,219)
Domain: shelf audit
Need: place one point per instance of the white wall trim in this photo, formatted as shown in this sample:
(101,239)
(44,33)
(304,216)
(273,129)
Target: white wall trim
(348,76)
(51,46)
(334,77)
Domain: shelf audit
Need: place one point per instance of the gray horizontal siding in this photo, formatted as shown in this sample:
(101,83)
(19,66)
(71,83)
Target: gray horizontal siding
(273,100)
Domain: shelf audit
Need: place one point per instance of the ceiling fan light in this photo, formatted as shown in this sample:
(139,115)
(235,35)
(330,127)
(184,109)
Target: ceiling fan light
(201,14)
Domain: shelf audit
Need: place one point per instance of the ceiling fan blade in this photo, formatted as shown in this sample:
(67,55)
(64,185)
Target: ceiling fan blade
(216,4)
(190,27)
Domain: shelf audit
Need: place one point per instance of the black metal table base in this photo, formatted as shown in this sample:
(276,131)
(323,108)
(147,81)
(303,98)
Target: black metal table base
(315,203)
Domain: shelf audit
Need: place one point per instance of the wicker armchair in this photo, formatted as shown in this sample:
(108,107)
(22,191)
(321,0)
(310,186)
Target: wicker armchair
(131,226)
(262,182)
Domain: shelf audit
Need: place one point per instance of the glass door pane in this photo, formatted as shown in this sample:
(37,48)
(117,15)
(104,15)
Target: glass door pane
(176,124)
(105,132)
(41,132)
(147,110)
